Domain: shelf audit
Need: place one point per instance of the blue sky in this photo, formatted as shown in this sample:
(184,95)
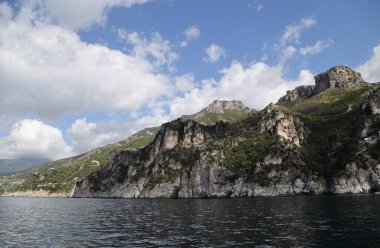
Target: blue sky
(76,75)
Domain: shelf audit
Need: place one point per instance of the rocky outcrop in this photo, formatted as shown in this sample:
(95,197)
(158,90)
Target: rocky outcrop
(374,102)
(299,93)
(355,180)
(182,163)
(337,77)
(285,126)
(220,106)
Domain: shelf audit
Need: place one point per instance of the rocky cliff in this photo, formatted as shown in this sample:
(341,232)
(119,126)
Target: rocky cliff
(59,177)
(327,142)
(300,92)
(337,77)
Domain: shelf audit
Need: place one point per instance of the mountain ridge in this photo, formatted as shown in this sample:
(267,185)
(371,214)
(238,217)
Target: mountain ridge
(325,141)
(60,176)
(311,142)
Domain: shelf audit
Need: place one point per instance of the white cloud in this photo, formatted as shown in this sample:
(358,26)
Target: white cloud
(89,135)
(48,71)
(256,85)
(156,49)
(287,53)
(6,14)
(289,44)
(259,7)
(86,135)
(213,53)
(305,77)
(318,47)
(76,15)
(184,82)
(191,33)
(370,70)
(32,138)
(293,32)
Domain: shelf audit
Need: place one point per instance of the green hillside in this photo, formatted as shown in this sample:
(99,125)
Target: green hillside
(61,175)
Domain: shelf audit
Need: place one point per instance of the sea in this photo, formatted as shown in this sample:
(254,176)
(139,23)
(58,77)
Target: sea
(297,221)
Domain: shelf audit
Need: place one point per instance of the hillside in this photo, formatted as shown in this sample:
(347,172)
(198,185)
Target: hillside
(324,141)
(60,176)
(10,166)
(317,139)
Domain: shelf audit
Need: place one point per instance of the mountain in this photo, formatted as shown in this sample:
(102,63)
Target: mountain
(324,140)
(317,139)
(10,166)
(58,178)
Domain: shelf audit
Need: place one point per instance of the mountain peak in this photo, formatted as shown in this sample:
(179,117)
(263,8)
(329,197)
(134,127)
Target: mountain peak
(220,106)
(340,76)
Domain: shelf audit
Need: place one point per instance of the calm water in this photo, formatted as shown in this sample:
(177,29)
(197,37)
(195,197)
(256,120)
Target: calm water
(324,221)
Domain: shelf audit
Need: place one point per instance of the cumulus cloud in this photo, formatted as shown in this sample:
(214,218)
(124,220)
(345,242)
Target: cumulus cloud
(89,135)
(157,50)
(213,53)
(75,76)
(32,138)
(191,33)
(318,47)
(293,32)
(184,82)
(289,45)
(287,53)
(256,85)
(370,69)
(76,15)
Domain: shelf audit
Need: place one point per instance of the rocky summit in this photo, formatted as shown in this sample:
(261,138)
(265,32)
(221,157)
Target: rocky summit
(337,77)
(317,139)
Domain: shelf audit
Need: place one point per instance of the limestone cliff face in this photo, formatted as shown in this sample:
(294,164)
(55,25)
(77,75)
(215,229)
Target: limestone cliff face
(286,127)
(374,102)
(220,106)
(311,146)
(298,93)
(181,164)
(337,77)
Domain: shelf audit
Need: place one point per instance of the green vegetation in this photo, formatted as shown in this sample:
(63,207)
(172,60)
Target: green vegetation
(332,118)
(373,150)
(186,157)
(60,176)
(168,175)
(242,159)
(227,116)
(330,102)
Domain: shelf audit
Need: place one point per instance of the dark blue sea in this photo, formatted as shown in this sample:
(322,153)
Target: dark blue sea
(304,221)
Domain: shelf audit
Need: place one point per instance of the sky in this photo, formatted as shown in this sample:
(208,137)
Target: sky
(80,74)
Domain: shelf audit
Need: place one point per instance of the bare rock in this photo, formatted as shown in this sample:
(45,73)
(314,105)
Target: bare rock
(337,77)
(220,106)
(374,102)
(300,92)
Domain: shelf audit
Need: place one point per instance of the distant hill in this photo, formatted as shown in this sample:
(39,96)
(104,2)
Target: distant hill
(10,166)
(61,175)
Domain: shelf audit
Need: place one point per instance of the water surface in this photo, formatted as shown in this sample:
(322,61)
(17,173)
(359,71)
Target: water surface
(320,221)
